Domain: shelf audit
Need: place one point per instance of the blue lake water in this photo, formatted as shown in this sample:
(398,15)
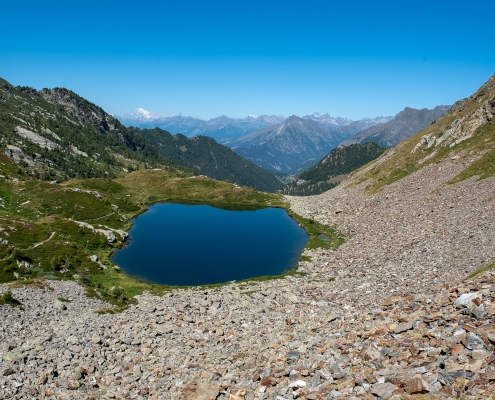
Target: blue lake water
(177,244)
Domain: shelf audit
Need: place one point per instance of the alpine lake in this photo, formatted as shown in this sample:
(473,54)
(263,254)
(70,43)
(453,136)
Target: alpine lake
(191,245)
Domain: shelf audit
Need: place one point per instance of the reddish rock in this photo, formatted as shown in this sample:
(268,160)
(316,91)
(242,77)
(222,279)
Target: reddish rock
(456,349)
(269,381)
(417,385)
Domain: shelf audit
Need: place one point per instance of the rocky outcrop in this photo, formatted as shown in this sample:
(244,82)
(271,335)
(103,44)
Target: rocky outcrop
(36,138)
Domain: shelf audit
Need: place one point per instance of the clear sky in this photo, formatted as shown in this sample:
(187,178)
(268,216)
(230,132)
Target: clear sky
(204,58)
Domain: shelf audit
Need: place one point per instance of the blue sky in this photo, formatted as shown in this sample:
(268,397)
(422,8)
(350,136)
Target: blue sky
(351,59)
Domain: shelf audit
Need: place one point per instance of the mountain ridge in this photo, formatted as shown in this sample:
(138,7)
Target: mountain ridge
(288,147)
(210,158)
(405,124)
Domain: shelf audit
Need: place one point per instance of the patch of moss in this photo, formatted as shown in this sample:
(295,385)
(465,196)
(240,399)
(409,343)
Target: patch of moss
(314,229)
(8,298)
(480,271)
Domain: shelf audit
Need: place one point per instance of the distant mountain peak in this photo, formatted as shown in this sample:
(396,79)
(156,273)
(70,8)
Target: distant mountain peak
(140,114)
(328,120)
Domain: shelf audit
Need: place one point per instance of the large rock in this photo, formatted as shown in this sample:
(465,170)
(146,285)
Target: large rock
(465,298)
(200,391)
(383,390)
(417,385)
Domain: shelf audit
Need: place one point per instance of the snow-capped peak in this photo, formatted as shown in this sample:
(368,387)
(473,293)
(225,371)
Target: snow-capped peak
(140,114)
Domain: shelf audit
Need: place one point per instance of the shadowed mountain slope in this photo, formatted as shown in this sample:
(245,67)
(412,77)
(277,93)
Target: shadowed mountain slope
(210,158)
(327,173)
(403,125)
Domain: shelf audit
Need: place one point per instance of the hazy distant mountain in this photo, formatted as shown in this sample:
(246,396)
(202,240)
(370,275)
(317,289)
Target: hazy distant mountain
(346,126)
(327,120)
(219,128)
(292,146)
(402,126)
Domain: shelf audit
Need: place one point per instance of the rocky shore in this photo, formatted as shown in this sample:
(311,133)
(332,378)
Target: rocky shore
(387,315)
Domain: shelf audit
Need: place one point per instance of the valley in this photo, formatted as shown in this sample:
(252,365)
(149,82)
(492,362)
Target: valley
(400,301)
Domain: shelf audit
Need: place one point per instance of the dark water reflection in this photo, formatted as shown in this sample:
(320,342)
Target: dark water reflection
(178,244)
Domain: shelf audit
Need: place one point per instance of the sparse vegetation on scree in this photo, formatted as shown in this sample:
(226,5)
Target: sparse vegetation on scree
(465,134)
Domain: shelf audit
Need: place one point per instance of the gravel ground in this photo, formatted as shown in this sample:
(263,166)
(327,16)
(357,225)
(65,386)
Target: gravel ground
(387,315)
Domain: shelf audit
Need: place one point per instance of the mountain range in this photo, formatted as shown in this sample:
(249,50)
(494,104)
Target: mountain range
(299,143)
(219,128)
(56,135)
(292,146)
(403,125)
(224,129)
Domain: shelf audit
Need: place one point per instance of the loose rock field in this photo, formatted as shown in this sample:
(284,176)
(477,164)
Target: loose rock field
(387,315)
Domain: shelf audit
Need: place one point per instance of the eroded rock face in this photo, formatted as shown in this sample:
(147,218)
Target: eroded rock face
(379,317)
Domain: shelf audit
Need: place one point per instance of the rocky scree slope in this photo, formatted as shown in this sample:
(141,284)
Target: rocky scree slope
(403,125)
(386,315)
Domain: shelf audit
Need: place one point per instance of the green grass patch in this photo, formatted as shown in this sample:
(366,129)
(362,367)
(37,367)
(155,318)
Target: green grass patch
(314,229)
(64,300)
(484,167)
(305,258)
(8,298)
(480,271)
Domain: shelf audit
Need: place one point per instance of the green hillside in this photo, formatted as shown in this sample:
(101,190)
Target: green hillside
(465,134)
(54,134)
(210,158)
(340,161)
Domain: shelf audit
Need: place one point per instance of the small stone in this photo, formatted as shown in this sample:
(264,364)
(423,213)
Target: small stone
(371,354)
(73,385)
(200,391)
(293,355)
(325,374)
(403,327)
(299,384)
(6,371)
(269,381)
(459,384)
(331,317)
(417,385)
(476,311)
(474,342)
(96,339)
(294,375)
(59,305)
